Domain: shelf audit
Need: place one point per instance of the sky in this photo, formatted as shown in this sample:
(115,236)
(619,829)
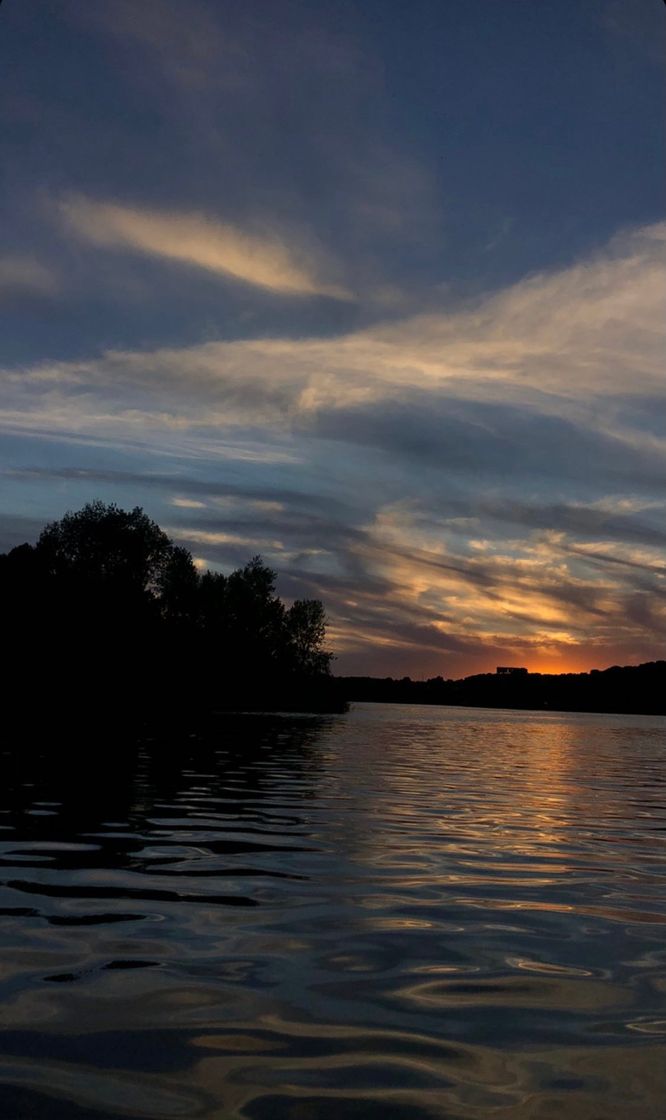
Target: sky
(373,289)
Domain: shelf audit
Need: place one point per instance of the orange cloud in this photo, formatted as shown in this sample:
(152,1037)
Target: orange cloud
(202,242)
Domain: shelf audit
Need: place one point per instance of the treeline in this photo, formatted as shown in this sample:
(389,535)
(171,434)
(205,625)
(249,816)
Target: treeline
(107,622)
(629,688)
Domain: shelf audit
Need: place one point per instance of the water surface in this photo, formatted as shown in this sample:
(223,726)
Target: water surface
(402,912)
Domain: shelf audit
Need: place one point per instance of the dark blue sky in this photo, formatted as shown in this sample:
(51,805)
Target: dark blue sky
(374,289)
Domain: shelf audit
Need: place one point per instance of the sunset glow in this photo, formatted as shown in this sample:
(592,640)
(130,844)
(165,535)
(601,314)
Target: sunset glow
(293,293)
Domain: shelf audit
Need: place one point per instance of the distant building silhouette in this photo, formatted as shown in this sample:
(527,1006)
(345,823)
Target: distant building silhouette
(504,670)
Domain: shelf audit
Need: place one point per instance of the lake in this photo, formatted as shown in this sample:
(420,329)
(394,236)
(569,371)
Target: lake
(400,912)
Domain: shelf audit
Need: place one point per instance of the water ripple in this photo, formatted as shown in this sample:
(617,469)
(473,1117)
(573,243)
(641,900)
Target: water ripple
(401,913)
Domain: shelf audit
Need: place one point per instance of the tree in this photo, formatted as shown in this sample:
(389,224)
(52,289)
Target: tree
(104,544)
(254,615)
(306,629)
(109,619)
(212,597)
(103,572)
(179,587)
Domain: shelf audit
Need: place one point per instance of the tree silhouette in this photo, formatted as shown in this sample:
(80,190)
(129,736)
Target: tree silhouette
(105,615)
(178,587)
(306,628)
(102,543)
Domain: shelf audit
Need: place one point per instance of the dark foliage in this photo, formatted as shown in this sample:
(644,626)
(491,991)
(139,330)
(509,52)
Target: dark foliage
(108,623)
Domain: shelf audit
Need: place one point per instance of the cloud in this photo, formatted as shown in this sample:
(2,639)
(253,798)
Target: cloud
(215,490)
(192,48)
(23,276)
(288,114)
(498,470)
(523,595)
(560,375)
(200,241)
(566,346)
(404,580)
(502,441)
(193,43)
(556,379)
(607,520)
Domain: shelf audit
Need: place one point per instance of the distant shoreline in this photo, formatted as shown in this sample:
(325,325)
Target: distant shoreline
(488,708)
(619,690)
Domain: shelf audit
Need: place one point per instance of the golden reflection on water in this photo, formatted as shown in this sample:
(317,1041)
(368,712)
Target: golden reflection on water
(529,809)
(469,1082)
(409,913)
(515,991)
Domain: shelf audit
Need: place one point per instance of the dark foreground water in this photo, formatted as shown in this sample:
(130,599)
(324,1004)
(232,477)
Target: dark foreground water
(402,912)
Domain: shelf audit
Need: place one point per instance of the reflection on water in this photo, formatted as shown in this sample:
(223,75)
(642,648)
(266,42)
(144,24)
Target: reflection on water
(402,912)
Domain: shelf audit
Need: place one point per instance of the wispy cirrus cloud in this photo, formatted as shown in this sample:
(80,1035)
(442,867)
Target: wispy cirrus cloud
(192,48)
(201,241)
(416,583)
(501,468)
(291,119)
(562,351)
